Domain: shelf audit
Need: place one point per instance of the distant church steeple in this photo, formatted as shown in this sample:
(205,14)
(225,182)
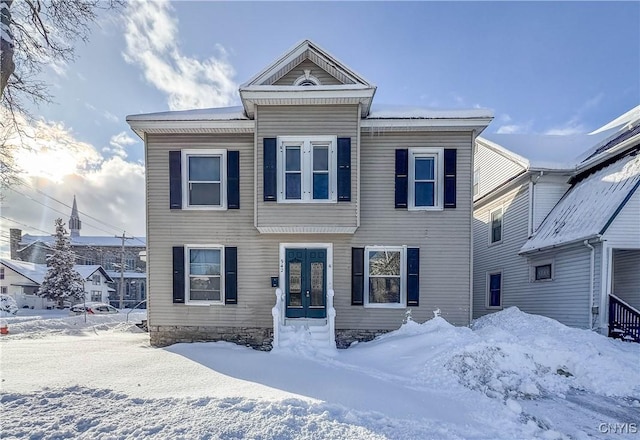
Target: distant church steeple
(74,222)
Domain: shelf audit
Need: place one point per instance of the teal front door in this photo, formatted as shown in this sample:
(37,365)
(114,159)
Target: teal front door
(306,283)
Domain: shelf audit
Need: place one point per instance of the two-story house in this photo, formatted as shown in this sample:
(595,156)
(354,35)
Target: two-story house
(305,213)
(557,225)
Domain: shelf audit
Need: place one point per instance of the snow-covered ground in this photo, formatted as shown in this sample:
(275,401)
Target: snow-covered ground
(511,376)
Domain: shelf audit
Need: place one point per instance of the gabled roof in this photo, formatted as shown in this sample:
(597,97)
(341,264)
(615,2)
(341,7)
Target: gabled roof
(37,272)
(96,240)
(262,90)
(590,206)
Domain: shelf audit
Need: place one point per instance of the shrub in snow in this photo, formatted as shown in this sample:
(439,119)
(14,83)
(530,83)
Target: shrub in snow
(61,281)
(8,304)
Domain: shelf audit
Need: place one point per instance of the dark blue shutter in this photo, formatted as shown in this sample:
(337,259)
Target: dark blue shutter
(270,170)
(178,275)
(402,177)
(231,275)
(233,179)
(413,277)
(344,169)
(450,178)
(357,276)
(175,180)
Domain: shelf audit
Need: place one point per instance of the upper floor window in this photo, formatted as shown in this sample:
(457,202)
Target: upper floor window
(385,276)
(307,169)
(425,190)
(95,280)
(495,226)
(204,176)
(476,182)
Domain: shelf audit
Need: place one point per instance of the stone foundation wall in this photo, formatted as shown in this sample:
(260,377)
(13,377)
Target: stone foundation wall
(258,338)
(344,338)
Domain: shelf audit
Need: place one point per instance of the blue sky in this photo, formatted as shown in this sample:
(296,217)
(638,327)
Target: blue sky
(542,67)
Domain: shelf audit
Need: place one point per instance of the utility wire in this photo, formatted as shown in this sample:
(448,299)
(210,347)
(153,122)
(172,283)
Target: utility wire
(23,224)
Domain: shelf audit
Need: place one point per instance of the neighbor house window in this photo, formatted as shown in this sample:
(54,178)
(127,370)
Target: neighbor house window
(204,268)
(425,178)
(109,263)
(96,295)
(542,271)
(3,290)
(476,182)
(495,226)
(385,282)
(95,280)
(494,290)
(204,174)
(1,273)
(308,167)
(130,263)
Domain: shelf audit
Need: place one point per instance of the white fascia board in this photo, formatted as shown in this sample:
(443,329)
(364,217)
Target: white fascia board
(458,124)
(190,126)
(307,229)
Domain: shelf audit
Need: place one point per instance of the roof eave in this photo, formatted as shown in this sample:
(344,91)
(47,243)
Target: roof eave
(589,238)
(195,126)
(414,124)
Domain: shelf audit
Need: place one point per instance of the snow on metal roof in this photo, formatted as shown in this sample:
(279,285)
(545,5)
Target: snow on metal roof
(96,240)
(588,208)
(405,112)
(114,274)
(36,272)
(204,114)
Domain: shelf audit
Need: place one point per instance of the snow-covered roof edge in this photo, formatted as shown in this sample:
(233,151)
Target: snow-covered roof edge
(407,112)
(205,114)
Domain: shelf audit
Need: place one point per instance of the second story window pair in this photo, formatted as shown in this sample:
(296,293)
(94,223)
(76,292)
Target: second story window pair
(308,169)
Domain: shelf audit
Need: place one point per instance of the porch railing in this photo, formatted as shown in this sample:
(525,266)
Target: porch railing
(624,320)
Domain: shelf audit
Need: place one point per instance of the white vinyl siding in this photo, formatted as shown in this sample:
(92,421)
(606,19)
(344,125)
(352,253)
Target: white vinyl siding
(495,169)
(626,276)
(545,197)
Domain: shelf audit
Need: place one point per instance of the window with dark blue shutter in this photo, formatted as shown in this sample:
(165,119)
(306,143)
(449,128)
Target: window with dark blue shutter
(233,179)
(344,169)
(178,275)
(230,275)
(413,277)
(175,180)
(270,170)
(402,178)
(450,178)
(357,276)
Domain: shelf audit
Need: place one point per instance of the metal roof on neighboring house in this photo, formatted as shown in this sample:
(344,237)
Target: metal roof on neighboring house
(36,272)
(96,240)
(589,207)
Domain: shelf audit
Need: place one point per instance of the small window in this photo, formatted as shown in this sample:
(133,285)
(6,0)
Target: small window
(204,269)
(425,179)
(385,277)
(110,263)
(96,280)
(1,273)
(96,295)
(308,167)
(494,290)
(476,182)
(3,290)
(204,173)
(130,263)
(542,271)
(495,226)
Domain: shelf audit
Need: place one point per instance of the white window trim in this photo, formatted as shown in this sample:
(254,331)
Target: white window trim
(307,77)
(187,274)
(488,290)
(223,178)
(403,277)
(532,270)
(438,154)
(493,243)
(306,144)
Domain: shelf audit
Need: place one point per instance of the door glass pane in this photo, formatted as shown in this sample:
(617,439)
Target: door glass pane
(293,159)
(204,168)
(295,284)
(424,168)
(292,189)
(384,290)
(424,194)
(317,284)
(320,158)
(204,194)
(320,186)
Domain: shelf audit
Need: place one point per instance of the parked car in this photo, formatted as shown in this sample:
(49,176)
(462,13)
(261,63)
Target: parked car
(93,308)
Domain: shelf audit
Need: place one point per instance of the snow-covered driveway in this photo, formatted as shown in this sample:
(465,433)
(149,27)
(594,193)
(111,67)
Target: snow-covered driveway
(62,378)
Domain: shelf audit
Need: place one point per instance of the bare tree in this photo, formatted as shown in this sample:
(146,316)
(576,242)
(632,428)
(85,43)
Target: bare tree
(35,34)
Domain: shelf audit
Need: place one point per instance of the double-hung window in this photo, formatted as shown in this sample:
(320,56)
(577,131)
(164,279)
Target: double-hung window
(495,226)
(308,167)
(204,175)
(95,280)
(385,276)
(204,267)
(494,290)
(426,178)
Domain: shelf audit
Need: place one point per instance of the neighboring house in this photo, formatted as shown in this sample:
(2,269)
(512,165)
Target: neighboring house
(560,239)
(106,251)
(22,280)
(306,211)
(135,288)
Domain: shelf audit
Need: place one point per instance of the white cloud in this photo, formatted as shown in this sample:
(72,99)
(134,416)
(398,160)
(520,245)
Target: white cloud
(575,125)
(151,34)
(119,143)
(110,116)
(55,162)
(514,128)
